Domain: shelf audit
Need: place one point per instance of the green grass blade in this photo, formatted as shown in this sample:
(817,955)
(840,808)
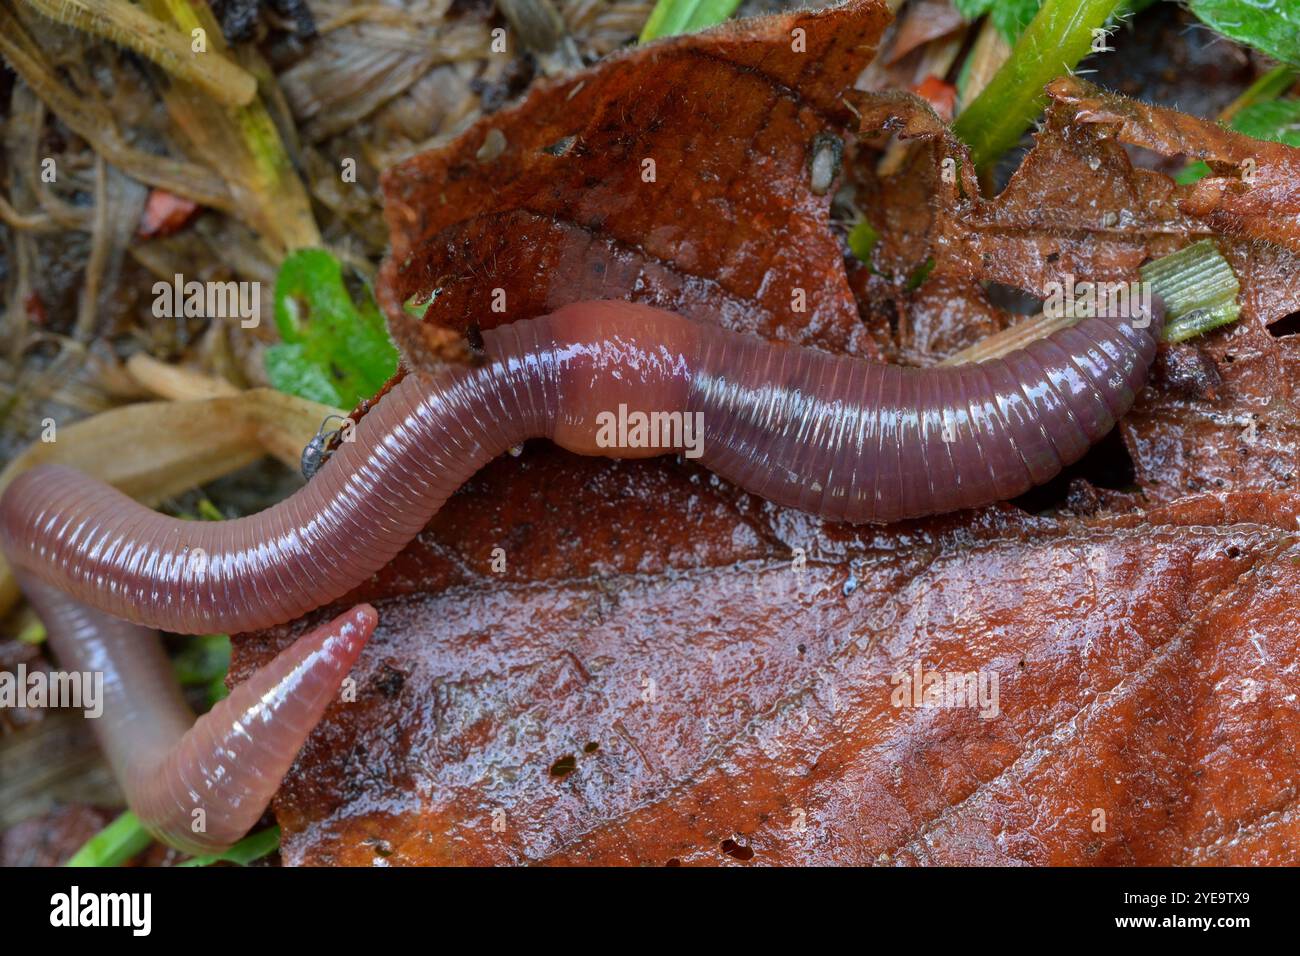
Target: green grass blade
(672,17)
(115,844)
(250,848)
(1058,37)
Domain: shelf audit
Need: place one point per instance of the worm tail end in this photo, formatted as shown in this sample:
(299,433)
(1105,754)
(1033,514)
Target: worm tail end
(216,783)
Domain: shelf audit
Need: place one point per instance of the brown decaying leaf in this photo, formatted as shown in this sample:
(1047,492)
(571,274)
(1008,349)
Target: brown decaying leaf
(1240,430)
(1075,206)
(51,839)
(727,231)
(1257,195)
(649,680)
(1140,667)
(921,23)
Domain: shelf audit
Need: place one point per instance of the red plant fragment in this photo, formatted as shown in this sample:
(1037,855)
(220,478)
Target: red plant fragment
(165,213)
(941,96)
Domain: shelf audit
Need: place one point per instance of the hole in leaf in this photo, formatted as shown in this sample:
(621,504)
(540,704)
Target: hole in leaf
(1012,299)
(737,850)
(564,766)
(390,681)
(561,146)
(1107,465)
(474,336)
(1287,325)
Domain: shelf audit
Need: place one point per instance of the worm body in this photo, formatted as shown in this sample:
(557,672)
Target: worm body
(864,442)
(849,440)
(199,786)
(846,439)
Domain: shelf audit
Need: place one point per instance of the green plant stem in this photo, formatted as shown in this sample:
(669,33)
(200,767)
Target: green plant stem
(1268,87)
(250,848)
(115,844)
(1198,287)
(671,17)
(1059,36)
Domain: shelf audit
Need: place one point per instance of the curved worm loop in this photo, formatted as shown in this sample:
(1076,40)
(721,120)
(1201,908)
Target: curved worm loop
(845,439)
(199,785)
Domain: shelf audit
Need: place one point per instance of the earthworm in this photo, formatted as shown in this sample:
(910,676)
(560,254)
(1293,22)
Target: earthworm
(198,786)
(837,436)
(846,439)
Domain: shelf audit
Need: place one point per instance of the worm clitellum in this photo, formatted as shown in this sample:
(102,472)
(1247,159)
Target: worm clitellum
(839,437)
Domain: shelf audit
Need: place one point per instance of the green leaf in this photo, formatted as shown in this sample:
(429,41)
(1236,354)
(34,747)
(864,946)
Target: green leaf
(862,240)
(1272,26)
(671,17)
(115,844)
(250,848)
(1191,173)
(332,350)
(919,275)
(1275,120)
(204,662)
(1012,16)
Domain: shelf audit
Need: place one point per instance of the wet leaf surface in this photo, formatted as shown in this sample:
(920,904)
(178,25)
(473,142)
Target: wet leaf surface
(667,670)
(549,201)
(1142,666)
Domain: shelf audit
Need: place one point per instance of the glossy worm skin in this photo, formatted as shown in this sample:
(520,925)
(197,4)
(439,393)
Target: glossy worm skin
(842,438)
(199,786)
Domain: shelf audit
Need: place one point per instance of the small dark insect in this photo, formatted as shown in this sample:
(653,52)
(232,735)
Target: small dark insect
(316,454)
